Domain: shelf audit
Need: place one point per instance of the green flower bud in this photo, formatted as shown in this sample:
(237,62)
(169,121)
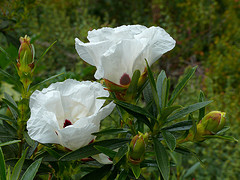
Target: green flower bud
(214,121)
(138,148)
(25,62)
(25,55)
(209,125)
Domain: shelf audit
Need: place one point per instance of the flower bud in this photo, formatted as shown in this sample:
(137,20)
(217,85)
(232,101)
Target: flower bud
(137,148)
(214,121)
(209,125)
(25,55)
(25,62)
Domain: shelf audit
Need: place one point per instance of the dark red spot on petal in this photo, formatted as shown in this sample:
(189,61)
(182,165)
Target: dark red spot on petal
(56,133)
(91,141)
(125,79)
(66,123)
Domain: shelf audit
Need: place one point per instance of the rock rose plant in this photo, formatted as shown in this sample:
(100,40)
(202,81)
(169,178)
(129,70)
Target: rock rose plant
(54,132)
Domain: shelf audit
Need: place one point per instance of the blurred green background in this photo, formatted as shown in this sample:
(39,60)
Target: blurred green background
(207,34)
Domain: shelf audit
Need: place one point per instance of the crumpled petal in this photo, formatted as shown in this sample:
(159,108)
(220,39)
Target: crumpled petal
(122,50)
(102,158)
(69,100)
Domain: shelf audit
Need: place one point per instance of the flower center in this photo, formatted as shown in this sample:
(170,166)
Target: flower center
(125,79)
(67,123)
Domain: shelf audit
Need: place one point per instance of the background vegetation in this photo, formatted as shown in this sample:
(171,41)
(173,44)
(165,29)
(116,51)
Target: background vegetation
(207,34)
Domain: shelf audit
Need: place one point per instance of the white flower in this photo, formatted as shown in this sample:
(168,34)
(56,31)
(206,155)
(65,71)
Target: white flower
(118,52)
(67,113)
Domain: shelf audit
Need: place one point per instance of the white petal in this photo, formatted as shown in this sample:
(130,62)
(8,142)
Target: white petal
(119,59)
(43,127)
(159,42)
(115,34)
(74,137)
(102,158)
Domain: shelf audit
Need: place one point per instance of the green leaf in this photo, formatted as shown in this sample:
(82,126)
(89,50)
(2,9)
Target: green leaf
(181,85)
(135,109)
(89,150)
(148,98)
(228,138)
(110,153)
(162,158)
(43,54)
(137,112)
(167,111)
(18,167)
(2,166)
(226,128)
(28,139)
(12,79)
(152,84)
(99,173)
(179,126)
(191,170)
(123,175)
(170,140)
(136,170)
(32,170)
(134,82)
(161,88)
(36,86)
(194,125)
(6,118)
(202,110)
(121,152)
(110,131)
(13,107)
(9,142)
(187,110)
(53,153)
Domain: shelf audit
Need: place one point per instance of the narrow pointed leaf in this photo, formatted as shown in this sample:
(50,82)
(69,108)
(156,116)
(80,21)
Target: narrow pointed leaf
(226,128)
(121,152)
(89,150)
(191,170)
(9,142)
(98,174)
(110,153)
(110,131)
(2,166)
(32,170)
(202,110)
(6,118)
(228,138)
(179,126)
(18,167)
(170,140)
(135,108)
(181,85)
(36,86)
(153,85)
(136,170)
(11,78)
(162,159)
(11,100)
(43,54)
(123,175)
(187,110)
(168,110)
(134,82)
(160,87)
